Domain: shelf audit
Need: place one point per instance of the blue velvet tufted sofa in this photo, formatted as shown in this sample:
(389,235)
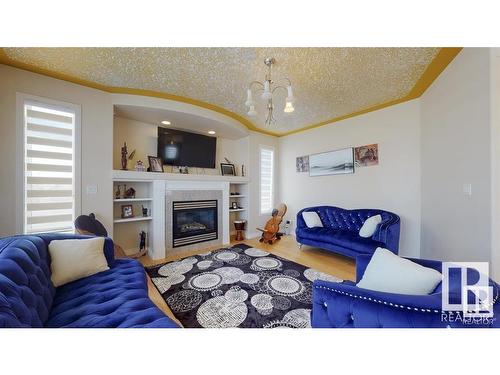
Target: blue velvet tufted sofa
(117,297)
(344,305)
(340,232)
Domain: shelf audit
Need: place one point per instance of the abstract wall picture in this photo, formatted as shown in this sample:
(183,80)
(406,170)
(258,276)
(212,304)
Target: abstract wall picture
(332,162)
(302,163)
(366,156)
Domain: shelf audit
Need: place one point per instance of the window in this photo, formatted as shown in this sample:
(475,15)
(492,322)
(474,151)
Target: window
(49,170)
(266,180)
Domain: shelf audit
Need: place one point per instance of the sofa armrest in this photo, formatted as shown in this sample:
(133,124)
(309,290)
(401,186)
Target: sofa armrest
(388,233)
(340,305)
(109,251)
(300,223)
(361,264)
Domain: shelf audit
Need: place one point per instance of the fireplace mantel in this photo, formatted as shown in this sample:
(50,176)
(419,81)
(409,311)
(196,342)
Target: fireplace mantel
(153,176)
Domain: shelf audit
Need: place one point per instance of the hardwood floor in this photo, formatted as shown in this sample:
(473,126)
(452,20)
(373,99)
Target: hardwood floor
(287,248)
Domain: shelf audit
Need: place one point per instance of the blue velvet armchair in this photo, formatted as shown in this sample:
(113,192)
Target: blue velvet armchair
(340,231)
(344,305)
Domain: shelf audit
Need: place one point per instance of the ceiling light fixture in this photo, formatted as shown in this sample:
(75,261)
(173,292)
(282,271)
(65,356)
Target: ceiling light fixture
(166,122)
(211,132)
(267,87)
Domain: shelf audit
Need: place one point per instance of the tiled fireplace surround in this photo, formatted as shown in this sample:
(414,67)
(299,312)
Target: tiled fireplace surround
(184,196)
(166,192)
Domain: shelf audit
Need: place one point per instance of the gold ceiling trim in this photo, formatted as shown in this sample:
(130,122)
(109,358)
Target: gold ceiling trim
(4,59)
(438,64)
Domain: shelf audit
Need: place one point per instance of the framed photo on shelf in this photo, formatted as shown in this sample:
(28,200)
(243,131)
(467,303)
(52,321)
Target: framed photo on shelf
(234,205)
(155,164)
(127,211)
(227,169)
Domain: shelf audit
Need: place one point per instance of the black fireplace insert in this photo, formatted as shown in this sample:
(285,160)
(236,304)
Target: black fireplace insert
(194,222)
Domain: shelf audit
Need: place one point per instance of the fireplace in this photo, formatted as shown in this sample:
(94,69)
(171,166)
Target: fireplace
(194,222)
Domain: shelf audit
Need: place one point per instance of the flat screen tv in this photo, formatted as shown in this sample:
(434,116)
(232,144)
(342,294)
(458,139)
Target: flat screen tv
(181,149)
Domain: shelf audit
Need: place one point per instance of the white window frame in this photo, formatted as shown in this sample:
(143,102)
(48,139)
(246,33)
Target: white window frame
(273,177)
(21,100)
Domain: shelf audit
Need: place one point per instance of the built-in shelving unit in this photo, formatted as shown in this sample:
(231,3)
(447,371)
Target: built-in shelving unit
(241,188)
(126,231)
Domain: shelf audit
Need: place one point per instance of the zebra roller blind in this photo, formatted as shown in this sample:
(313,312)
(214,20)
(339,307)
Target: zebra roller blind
(49,168)
(266,180)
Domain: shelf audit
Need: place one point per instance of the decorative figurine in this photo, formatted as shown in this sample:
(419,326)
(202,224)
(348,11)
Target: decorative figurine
(139,166)
(124,156)
(125,159)
(271,233)
(242,170)
(129,193)
(144,211)
(142,243)
(118,193)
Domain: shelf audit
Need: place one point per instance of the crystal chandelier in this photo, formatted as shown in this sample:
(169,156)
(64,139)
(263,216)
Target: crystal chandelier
(268,88)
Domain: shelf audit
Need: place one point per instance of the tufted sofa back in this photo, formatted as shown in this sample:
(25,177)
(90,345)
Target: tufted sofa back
(26,291)
(352,220)
(342,219)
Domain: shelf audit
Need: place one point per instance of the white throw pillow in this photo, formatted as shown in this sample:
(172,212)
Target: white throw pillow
(389,273)
(73,259)
(370,226)
(312,219)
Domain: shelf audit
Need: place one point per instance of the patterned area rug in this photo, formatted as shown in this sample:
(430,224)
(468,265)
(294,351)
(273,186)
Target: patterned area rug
(239,286)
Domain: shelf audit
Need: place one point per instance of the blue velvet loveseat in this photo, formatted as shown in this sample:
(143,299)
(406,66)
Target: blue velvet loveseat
(344,305)
(340,231)
(117,297)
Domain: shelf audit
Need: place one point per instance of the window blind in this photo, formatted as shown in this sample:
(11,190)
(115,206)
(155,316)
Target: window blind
(49,194)
(266,180)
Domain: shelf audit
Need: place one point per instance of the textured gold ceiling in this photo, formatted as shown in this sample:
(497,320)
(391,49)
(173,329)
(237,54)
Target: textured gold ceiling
(328,82)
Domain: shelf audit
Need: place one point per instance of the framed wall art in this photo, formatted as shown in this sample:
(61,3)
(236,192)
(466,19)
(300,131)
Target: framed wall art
(332,162)
(366,156)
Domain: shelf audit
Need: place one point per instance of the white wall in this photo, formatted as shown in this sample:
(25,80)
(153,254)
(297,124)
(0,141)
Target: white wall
(456,131)
(393,185)
(142,137)
(495,158)
(97,139)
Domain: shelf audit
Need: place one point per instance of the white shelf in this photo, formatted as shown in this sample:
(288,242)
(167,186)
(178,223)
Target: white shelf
(133,200)
(237,196)
(119,175)
(132,219)
(236,209)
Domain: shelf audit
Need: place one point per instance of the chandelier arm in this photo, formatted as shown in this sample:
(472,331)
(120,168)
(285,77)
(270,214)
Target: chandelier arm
(279,87)
(256,82)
